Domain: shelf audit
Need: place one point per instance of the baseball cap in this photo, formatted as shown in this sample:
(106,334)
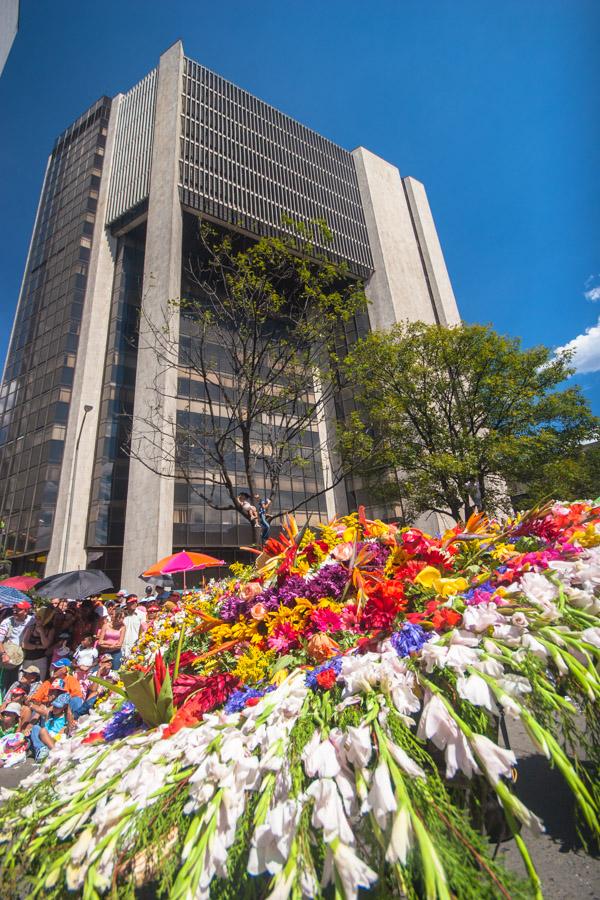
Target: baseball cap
(59,663)
(31,670)
(23,604)
(122,593)
(61,701)
(106,657)
(14,708)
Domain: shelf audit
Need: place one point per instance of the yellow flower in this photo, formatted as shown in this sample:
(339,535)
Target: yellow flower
(429,577)
(588,537)
(253,665)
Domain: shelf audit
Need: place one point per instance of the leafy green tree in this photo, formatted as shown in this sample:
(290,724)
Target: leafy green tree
(254,339)
(574,477)
(456,413)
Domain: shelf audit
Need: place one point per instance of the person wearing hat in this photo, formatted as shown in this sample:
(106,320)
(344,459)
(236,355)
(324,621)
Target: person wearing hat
(133,625)
(9,719)
(28,683)
(11,633)
(59,670)
(59,719)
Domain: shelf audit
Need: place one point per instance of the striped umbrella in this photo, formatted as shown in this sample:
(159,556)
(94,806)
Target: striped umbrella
(11,596)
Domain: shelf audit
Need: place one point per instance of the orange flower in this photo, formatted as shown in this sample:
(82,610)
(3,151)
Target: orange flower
(322,647)
(258,611)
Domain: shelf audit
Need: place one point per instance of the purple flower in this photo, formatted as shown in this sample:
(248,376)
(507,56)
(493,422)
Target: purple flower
(124,722)
(409,639)
(379,553)
(232,608)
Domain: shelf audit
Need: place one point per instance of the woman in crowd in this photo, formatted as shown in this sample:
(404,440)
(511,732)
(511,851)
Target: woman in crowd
(36,639)
(111,636)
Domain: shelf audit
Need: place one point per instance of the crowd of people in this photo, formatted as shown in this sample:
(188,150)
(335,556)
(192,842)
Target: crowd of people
(48,654)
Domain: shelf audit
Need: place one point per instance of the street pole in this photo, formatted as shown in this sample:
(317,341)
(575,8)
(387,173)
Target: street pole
(86,410)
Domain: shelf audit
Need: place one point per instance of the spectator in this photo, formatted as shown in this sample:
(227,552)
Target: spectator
(133,625)
(36,640)
(9,719)
(62,649)
(11,633)
(86,654)
(59,719)
(28,683)
(111,636)
(60,672)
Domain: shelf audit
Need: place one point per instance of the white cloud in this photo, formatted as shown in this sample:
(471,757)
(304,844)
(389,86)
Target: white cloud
(585,348)
(592,288)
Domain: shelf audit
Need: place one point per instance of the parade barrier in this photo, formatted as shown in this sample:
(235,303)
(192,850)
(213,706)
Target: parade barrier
(330,721)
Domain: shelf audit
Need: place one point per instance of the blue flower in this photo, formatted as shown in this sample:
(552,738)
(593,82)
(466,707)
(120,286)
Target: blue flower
(409,639)
(124,722)
(334,664)
(239,698)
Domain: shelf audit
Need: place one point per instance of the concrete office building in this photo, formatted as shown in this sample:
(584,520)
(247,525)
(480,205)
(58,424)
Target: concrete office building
(123,185)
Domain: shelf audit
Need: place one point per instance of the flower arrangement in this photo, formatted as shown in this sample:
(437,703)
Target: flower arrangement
(327,721)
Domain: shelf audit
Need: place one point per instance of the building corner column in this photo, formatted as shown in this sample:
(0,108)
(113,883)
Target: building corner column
(150,492)
(68,545)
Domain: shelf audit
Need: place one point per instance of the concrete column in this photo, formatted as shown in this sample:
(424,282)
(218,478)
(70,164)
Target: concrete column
(67,548)
(431,253)
(398,288)
(149,515)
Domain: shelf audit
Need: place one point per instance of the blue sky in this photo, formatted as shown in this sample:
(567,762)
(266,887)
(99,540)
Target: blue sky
(493,105)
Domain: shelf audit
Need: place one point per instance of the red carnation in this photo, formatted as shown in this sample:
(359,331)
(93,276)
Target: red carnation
(326,679)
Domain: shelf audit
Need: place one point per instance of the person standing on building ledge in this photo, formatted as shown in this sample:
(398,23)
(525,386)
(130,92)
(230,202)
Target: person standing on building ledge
(262,506)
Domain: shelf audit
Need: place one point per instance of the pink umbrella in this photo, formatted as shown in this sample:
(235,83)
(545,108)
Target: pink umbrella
(21,582)
(184,561)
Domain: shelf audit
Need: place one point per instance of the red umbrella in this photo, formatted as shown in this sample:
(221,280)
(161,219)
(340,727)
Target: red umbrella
(21,582)
(182,562)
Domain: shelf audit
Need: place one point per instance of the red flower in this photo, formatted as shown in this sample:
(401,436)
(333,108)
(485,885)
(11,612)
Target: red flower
(326,679)
(252,701)
(326,620)
(160,672)
(386,600)
(186,659)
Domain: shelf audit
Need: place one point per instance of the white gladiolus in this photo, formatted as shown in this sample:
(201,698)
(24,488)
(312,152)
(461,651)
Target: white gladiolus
(401,838)
(320,759)
(476,691)
(407,764)
(496,761)
(380,799)
(436,724)
(358,746)
(481,617)
(352,871)
(328,811)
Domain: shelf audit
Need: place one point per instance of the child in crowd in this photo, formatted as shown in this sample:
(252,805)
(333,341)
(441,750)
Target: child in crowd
(59,719)
(86,653)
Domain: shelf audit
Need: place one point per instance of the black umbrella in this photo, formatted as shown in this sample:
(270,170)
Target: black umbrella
(160,580)
(76,585)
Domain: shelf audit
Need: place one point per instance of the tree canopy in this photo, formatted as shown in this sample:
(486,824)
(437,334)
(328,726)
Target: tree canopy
(458,412)
(253,338)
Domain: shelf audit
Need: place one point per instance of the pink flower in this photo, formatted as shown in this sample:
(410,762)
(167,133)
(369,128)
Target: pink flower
(251,590)
(283,638)
(326,620)
(343,552)
(258,611)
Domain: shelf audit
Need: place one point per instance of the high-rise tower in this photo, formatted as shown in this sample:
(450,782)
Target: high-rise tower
(121,187)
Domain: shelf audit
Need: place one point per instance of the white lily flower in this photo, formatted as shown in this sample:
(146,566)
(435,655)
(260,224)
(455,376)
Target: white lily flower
(497,761)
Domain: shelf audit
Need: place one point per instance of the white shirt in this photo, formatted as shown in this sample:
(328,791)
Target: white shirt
(12,631)
(85,656)
(133,626)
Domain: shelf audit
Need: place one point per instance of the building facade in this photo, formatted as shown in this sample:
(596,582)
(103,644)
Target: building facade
(123,186)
